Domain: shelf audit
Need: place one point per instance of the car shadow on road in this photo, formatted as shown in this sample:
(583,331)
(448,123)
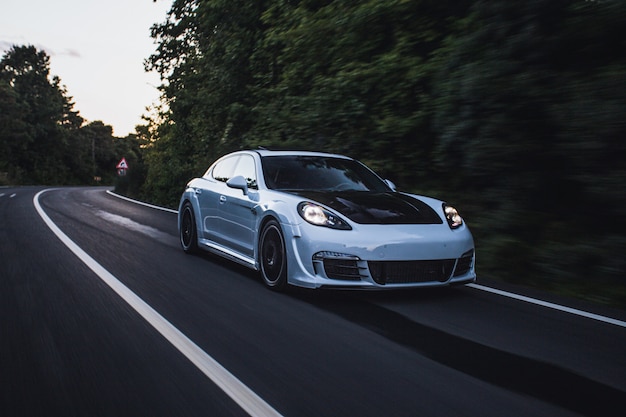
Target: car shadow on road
(524,375)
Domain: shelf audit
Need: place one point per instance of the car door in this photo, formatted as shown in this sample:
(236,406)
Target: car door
(237,214)
(208,196)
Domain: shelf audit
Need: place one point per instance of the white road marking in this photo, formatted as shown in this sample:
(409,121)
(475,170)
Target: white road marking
(1,194)
(247,399)
(12,195)
(550,305)
(142,203)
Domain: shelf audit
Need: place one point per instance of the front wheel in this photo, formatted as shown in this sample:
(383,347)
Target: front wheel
(188,231)
(273,257)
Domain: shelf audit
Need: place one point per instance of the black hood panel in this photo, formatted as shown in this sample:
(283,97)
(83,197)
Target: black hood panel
(366,207)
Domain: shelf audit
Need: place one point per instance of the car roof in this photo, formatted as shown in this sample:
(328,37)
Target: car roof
(268,152)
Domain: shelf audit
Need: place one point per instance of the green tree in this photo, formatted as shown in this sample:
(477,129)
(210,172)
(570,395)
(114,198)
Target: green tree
(97,146)
(46,117)
(529,119)
(203,53)
(350,77)
(15,134)
(353,77)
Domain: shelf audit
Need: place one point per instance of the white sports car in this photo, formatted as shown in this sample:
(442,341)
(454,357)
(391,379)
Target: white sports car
(316,220)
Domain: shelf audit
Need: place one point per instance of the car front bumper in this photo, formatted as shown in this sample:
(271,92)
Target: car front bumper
(381,257)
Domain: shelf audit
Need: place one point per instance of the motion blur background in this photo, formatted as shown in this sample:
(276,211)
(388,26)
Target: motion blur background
(512,111)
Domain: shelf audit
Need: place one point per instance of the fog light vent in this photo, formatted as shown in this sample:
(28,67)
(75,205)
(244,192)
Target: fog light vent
(339,266)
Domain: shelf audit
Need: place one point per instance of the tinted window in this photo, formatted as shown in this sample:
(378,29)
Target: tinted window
(319,173)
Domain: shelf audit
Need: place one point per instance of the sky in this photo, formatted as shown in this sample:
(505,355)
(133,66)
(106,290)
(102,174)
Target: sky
(97,49)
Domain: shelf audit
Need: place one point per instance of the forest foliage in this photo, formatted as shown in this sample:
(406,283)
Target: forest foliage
(512,111)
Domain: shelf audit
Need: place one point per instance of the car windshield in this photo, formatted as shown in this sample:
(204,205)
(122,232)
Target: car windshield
(319,173)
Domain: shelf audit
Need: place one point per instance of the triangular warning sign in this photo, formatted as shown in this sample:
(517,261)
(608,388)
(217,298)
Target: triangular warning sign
(122,164)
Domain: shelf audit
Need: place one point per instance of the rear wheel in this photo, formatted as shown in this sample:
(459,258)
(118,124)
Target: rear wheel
(273,256)
(188,231)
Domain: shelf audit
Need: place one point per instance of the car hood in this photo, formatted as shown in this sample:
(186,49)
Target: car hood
(367,207)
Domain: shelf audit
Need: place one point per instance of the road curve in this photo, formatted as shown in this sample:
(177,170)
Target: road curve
(71,345)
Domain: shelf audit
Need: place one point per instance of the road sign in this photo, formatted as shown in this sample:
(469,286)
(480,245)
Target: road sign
(122,164)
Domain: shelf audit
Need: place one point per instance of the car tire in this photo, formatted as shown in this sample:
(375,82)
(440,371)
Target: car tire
(273,256)
(188,231)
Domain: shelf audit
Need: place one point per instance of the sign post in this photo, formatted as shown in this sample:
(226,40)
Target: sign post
(122,166)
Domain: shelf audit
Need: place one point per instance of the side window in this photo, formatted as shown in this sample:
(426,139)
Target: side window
(247,168)
(223,170)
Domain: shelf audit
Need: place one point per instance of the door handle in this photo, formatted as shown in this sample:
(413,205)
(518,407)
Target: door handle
(222,199)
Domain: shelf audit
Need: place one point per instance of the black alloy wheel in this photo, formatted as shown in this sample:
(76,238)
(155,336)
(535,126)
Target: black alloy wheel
(188,232)
(273,256)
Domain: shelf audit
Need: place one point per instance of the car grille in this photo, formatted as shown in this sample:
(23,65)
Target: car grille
(344,269)
(405,272)
(464,264)
(398,272)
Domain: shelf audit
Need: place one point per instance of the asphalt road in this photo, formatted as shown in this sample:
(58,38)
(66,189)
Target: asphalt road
(118,321)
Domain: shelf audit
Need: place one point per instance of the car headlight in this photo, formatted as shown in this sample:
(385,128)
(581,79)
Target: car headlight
(452,216)
(319,216)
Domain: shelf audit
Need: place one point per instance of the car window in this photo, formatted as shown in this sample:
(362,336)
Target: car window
(223,170)
(246,168)
(319,173)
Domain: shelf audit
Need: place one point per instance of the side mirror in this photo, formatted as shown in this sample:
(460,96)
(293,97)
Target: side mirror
(391,185)
(239,183)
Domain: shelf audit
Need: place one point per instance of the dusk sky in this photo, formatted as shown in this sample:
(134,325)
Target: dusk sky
(96,48)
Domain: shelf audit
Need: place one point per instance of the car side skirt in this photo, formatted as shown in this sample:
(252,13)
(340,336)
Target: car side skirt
(220,250)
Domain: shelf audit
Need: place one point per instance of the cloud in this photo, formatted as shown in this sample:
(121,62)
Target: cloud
(67,52)
(6,45)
